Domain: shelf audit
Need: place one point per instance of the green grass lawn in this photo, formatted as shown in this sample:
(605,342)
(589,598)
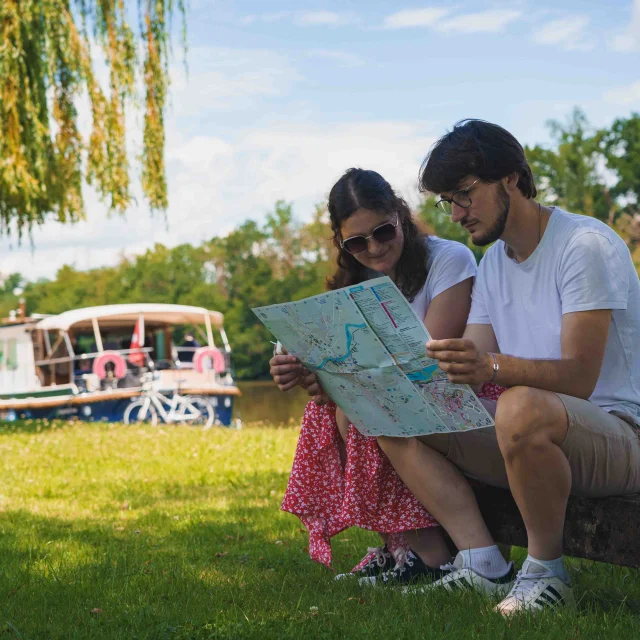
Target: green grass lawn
(122,532)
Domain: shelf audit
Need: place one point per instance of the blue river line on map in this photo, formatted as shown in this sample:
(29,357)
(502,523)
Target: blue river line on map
(424,375)
(349,334)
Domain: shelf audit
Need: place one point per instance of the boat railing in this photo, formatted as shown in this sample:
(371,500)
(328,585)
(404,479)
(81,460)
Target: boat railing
(87,380)
(53,370)
(80,357)
(184,357)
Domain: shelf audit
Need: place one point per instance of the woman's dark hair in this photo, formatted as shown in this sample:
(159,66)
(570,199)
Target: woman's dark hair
(362,189)
(478,148)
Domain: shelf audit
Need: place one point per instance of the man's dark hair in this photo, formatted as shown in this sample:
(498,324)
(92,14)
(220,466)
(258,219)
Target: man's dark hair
(478,148)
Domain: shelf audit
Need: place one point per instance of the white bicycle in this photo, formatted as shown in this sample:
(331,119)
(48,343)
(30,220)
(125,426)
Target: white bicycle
(152,405)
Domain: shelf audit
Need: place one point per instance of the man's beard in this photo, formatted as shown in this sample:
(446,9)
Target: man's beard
(504,202)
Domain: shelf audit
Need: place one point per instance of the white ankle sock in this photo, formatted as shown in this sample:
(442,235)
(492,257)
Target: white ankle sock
(487,561)
(555,567)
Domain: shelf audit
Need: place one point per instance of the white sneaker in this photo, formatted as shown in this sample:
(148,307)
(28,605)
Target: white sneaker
(462,577)
(535,589)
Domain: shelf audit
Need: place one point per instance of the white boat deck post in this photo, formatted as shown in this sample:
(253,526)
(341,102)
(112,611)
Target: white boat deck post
(207,322)
(96,334)
(223,334)
(47,342)
(72,354)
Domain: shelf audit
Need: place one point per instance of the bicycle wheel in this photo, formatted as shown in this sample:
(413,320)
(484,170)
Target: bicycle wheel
(198,411)
(141,411)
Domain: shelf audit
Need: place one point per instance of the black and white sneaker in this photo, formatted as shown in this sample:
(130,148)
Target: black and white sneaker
(458,576)
(535,589)
(412,570)
(377,561)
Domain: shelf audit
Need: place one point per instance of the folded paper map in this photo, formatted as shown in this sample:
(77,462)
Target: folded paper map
(367,347)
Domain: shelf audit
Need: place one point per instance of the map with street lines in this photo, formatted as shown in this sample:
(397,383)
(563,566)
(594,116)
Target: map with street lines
(367,347)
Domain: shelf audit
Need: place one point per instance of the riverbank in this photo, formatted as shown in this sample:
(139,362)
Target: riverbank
(262,401)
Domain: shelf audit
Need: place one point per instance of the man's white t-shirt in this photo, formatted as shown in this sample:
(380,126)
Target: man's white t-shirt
(448,263)
(580,265)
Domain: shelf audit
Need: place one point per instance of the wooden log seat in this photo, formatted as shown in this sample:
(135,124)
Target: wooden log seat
(604,529)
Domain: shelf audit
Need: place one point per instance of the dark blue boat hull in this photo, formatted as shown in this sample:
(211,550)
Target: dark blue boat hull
(113,411)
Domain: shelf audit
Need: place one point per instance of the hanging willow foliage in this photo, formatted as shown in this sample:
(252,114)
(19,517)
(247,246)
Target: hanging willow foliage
(46,70)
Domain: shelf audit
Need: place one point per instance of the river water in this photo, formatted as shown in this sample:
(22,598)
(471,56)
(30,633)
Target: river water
(263,401)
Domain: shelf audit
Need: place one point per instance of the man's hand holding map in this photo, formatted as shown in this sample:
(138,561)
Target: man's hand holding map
(367,347)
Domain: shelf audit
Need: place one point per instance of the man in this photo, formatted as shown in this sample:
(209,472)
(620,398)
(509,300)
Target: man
(555,318)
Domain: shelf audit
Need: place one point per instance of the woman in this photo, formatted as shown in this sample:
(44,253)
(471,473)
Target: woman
(341,478)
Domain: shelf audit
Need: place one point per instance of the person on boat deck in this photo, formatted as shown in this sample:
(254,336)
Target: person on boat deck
(190,342)
(84,365)
(333,486)
(555,317)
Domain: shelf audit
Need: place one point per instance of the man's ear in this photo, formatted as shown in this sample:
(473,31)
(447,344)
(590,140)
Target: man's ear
(510,182)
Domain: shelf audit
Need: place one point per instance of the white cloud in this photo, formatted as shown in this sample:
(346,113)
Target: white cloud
(440,19)
(312,18)
(221,78)
(480,22)
(303,162)
(302,18)
(569,33)
(342,58)
(629,41)
(624,96)
(415,17)
(216,183)
(266,17)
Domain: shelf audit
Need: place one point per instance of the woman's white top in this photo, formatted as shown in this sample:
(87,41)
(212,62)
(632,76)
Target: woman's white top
(448,263)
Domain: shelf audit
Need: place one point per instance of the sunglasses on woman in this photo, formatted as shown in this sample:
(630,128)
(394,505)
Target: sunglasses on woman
(382,234)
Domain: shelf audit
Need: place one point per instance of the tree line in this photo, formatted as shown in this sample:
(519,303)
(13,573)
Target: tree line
(585,170)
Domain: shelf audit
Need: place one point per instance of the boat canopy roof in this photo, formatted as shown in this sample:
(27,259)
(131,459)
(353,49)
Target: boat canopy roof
(114,314)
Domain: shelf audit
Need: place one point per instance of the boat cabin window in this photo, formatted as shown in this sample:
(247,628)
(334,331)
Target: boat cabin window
(57,366)
(156,344)
(9,354)
(84,343)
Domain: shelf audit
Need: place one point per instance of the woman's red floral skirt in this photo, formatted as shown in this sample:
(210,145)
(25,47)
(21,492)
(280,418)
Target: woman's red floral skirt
(367,493)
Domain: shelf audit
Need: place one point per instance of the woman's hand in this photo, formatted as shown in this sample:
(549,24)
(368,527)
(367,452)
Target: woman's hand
(287,371)
(311,383)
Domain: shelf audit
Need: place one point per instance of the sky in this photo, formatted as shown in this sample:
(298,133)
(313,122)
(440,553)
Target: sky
(280,97)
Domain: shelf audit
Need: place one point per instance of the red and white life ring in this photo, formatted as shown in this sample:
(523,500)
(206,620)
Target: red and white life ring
(110,357)
(203,354)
